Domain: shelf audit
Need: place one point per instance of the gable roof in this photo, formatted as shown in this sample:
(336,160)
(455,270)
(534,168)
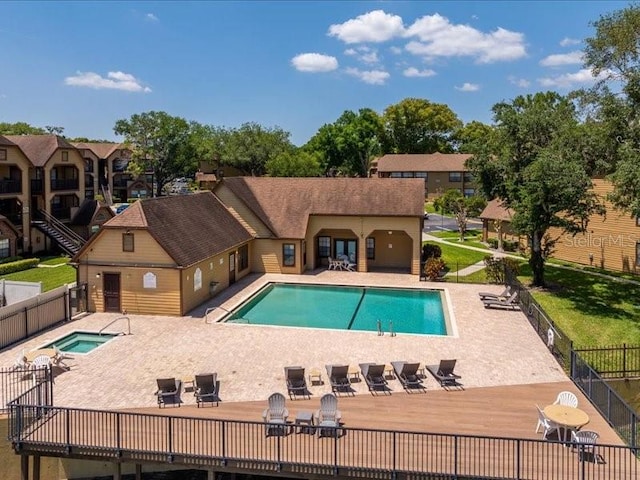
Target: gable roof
(6,141)
(190,228)
(496,211)
(39,148)
(285,204)
(100,149)
(427,162)
(88,211)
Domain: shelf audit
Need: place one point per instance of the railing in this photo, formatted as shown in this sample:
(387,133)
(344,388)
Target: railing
(72,236)
(616,361)
(343,451)
(619,414)
(14,218)
(10,186)
(64,184)
(61,213)
(25,385)
(114,321)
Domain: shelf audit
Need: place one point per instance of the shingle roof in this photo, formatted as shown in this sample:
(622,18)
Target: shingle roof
(87,211)
(39,148)
(432,162)
(496,211)
(100,149)
(284,204)
(190,228)
(5,141)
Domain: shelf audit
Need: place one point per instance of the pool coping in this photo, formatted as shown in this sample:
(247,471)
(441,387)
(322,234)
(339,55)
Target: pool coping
(50,343)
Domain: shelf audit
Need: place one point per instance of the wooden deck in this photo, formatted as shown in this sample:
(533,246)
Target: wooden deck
(402,435)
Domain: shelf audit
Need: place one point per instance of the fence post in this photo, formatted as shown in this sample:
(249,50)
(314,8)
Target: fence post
(518,459)
(223,431)
(26,322)
(572,361)
(393,474)
(624,360)
(67,307)
(170,439)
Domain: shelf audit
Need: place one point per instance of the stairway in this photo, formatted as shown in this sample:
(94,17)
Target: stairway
(68,240)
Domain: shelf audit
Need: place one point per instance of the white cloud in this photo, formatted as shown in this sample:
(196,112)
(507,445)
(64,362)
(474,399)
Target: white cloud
(468,87)
(314,62)
(374,26)
(113,81)
(566,42)
(519,82)
(440,38)
(414,72)
(372,77)
(396,50)
(569,80)
(151,17)
(559,59)
(351,51)
(371,57)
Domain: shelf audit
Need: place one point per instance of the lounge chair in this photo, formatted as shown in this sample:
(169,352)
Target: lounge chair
(350,263)
(443,373)
(567,398)
(334,264)
(296,383)
(20,362)
(373,374)
(339,378)
(496,296)
(407,373)
(41,366)
(60,357)
(275,415)
(205,388)
(510,303)
(328,416)
(168,391)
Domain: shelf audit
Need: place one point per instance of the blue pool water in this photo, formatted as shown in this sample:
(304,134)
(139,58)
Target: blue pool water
(80,342)
(345,308)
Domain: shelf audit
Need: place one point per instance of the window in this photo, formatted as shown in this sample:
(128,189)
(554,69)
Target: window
(324,247)
(288,255)
(197,280)
(65,156)
(407,174)
(455,176)
(371,248)
(3,153)
(127,242)
(243,257)
(469,192)
(5,249)
(468,177)
(395,175)
(422,175)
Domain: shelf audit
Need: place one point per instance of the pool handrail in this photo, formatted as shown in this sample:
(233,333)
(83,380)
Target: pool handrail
(114,321)
(211,309)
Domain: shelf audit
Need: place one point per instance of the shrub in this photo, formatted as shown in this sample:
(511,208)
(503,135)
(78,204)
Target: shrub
(433,267)
(493,242)
(18,266)
(430,250)
(510,246)
(11,259)
(496,268)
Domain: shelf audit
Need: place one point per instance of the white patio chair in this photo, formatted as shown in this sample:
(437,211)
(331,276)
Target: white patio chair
(547,425)
(334,264)
(568,399)
(60,357)
(20,362)
(275,415)
(585,442)
(40,365)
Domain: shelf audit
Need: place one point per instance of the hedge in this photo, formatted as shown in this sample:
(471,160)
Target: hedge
(18,266)
(11,259)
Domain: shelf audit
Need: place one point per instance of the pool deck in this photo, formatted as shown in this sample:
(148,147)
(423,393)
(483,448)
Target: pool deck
(493,348)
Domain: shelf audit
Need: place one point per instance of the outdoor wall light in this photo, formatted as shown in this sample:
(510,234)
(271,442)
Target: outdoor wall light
(97,275)
(390,232)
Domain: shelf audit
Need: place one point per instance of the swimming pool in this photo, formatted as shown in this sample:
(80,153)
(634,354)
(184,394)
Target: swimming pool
(80,342)
(345,308)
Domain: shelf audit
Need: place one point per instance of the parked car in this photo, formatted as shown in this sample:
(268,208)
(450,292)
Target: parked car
(426,216)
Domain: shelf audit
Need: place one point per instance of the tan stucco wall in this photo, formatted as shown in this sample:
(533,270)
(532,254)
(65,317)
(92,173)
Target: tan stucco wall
(75,160)
(266,256)
(17,158)
(243,214)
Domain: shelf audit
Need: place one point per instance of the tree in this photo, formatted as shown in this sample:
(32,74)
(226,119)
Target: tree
(294,164)
(251,146)
(453,202)
(20,128)
(159,143)
(415,125)
(350,143)
(614,54)
(472,137)
(533,166)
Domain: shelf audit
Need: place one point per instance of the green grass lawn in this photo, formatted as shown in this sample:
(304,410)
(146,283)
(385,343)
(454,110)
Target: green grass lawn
(457,258)
(590,309)
(54,260)
(50,277)
(472,234)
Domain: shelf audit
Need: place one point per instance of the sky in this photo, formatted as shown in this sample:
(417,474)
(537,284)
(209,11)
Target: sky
(296,65)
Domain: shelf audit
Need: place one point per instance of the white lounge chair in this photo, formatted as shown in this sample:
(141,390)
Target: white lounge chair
(275,415)
(334,264)
(547,425)
(328,416)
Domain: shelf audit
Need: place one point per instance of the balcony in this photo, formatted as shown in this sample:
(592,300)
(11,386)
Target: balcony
(64,184)
(10,186)
(61,213)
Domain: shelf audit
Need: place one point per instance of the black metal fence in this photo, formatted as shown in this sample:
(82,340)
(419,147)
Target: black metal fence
(343,451)
(618,413)
(17,383)
(616,361)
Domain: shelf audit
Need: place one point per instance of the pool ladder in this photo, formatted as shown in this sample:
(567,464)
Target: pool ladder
(114,321)
(211,309)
